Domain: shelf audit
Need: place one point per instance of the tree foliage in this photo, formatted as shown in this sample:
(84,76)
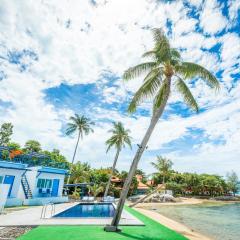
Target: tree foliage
(6,131)
(14,146)
(32,146)
(232,182)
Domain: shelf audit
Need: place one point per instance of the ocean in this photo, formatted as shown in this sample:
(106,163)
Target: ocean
(218,221)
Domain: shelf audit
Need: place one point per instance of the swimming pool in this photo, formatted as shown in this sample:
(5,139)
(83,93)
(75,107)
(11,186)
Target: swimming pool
(88,210)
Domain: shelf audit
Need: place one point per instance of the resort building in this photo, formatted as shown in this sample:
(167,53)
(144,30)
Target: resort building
(32,185)
(11,174)
(142,188)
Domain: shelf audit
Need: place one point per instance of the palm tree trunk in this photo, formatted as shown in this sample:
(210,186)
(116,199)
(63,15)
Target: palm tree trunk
(74,154)
(163,182)
(112,172)
(134,165)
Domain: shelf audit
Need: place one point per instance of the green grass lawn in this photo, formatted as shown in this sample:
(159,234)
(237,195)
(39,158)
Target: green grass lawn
(151,231)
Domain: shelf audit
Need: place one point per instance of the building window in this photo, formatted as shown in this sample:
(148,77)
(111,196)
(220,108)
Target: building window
(44,183)
(48,183)
(1,179)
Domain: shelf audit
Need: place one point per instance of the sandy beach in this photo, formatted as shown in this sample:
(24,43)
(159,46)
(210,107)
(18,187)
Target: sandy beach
(172,224)
(176,226)
(181,201)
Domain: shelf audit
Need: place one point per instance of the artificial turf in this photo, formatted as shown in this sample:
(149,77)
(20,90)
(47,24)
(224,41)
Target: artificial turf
(151,231)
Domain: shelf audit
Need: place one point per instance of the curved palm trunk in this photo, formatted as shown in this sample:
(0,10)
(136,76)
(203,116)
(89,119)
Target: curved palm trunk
(112,172)
(74,154)
(133,168)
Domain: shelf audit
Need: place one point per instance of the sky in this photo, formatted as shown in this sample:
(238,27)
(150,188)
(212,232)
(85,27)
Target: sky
(60,58)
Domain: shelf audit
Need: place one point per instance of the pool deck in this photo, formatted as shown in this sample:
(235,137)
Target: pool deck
(32,217)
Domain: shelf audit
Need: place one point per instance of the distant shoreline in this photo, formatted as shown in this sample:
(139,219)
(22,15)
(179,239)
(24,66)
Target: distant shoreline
(184,201)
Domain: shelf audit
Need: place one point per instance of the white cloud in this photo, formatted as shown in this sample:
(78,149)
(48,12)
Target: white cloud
(196,3)
(184,26)
(234,8)
(230,51)
(212,20)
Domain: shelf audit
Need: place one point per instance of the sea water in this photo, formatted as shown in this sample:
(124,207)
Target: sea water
(218,221)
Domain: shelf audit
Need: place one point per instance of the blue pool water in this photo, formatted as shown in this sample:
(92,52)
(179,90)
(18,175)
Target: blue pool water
(88,210)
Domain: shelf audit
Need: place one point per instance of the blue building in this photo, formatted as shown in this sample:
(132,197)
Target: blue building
(32,185)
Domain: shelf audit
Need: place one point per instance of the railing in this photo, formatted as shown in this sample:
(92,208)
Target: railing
(44,210)
(26,187)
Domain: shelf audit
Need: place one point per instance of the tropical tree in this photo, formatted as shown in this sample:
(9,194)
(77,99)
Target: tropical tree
(163,166)
(32,146)
(14,146)
(119,139)
(100,176)
(82,125)
(6,131)
(164,70)
(232,182)
(95,189)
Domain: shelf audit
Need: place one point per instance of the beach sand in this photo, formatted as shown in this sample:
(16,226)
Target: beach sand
(181,201)
(176,226)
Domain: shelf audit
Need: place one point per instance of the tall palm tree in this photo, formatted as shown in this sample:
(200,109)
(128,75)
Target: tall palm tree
(82,125)
(120,137)
(164,70)
(163,166)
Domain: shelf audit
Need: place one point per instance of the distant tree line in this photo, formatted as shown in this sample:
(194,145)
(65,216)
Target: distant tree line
(193,183)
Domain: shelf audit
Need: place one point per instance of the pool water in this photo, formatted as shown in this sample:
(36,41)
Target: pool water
(88,210)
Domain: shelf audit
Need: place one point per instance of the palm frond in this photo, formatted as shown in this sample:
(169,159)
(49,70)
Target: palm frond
(138,70)
(151,54)
(146,91)
(156,72)
(187,95)
(73,119)
(109,143)
(119,137)
(191,70)
(161,95)
(175,53)
(71,128)
(162,46)
(71,125)
(128,142)
(159,36)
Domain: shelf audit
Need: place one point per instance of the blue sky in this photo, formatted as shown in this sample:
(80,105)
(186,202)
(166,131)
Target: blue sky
(60,59)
